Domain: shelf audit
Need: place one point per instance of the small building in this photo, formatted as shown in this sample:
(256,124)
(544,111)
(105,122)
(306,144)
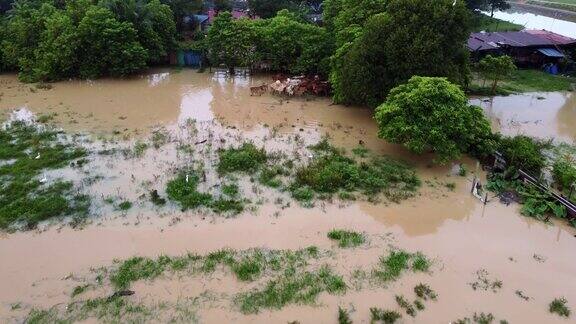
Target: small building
(528,48)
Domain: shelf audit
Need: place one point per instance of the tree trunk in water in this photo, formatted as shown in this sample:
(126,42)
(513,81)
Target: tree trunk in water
(231,70)
(494,85)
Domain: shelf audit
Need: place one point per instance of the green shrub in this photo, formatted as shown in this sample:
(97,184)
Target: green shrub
(183,190)
(246,158)
(523,152)
(347,238)
(559,307)
(331,172)
(564,174)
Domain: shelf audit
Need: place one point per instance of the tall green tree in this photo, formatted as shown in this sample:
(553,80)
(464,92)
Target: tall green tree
(431,114)
(55,57)
(108,46)
(413,37)
(295,46)
(232,42)
(495,69)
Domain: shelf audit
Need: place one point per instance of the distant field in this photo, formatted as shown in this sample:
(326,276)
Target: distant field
(485,23)
(569,5)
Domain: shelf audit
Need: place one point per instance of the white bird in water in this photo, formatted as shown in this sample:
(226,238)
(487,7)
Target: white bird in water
(43,180)
(37,156)
(186,178)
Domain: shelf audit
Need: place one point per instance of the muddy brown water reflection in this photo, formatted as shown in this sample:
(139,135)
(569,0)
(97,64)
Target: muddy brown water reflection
(461,234)
(543,115)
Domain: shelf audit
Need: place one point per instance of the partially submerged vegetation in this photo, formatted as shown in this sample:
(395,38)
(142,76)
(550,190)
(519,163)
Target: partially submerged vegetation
(391,267)
(273,279)
(347,239)
(330,172)
(26,196)
(558,306)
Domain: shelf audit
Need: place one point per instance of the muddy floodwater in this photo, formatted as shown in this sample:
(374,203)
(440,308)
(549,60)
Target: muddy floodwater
(543,115)
(39,268)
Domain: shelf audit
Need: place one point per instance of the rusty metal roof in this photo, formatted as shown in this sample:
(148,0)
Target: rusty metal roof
(528,38)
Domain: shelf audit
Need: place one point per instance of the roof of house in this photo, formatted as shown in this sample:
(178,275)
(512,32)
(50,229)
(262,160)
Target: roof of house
(201,18)
(528,38)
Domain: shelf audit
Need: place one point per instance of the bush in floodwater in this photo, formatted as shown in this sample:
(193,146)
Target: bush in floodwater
(523,152)
(559,307)
(247,158)
(347,238)
(330,171)
(391,267)
(184,190)
(564,174)
(383,316)
(343,316)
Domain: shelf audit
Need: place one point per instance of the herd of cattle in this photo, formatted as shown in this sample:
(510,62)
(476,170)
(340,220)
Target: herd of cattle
(294,86)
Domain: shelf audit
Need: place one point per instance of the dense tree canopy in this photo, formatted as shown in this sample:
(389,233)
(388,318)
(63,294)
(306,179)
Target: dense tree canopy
(52,40)
(412,37)
(232,42)
(432,114)
(292,45)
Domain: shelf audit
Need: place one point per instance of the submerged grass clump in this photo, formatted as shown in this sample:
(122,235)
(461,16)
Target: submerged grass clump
(425,292)
(246,265)
(247,158)
(291,288)
(558,306)
(391,267)
(343,316)
(331,171)
(378,315)
(347,239)
(25,152)
(184,190)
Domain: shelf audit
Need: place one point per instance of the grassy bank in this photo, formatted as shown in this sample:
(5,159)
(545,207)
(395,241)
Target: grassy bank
(482,22)
(525,81)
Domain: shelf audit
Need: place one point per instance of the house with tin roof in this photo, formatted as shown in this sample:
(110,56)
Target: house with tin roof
(527,47)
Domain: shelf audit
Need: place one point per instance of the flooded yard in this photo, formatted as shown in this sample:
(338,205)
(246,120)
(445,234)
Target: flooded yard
(141,133)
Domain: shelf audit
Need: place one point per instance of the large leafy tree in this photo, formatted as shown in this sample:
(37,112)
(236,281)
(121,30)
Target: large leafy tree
(295,46)
(55,57)
(413,37)
(232,42)
(432,114)
(108,46)
(153,22)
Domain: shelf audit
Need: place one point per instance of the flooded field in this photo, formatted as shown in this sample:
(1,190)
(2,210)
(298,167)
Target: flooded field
(542,115)
(140,133)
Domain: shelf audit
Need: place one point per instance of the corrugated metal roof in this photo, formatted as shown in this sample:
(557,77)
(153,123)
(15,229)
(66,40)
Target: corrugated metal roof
(490,41)
(550,52)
